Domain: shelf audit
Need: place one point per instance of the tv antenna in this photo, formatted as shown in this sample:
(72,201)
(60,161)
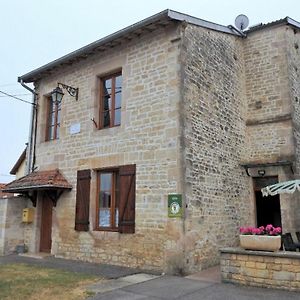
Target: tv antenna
(241,22)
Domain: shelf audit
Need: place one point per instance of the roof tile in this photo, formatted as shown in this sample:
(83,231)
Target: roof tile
(50,179)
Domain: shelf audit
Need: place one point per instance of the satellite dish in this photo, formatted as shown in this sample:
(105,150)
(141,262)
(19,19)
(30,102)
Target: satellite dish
(241,22)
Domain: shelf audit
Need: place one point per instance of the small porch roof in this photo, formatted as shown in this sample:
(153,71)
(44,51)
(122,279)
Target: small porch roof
(40,180)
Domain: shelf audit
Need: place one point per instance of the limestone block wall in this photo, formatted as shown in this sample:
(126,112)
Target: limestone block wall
(269,122)
(293,65)
(278,270)
(3,204)
(272,112)
(213,120)
(11,226)
(149,137)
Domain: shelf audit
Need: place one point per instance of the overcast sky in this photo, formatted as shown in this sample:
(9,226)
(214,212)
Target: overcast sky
(35,32)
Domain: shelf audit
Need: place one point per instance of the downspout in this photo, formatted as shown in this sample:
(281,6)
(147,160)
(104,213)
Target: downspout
(32,129)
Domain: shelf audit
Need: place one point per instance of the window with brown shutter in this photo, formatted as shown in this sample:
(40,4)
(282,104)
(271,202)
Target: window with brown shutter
(127,199)
(82,200)
(116,199)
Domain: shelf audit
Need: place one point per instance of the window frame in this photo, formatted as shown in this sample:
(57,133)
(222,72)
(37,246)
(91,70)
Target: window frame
(49,124)
(112,227)
(113,77)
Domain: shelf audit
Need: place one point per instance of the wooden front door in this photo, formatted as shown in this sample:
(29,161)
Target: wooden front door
(46,225)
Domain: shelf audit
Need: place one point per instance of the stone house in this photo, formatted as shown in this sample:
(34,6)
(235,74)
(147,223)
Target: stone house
(19,167)
(170,106)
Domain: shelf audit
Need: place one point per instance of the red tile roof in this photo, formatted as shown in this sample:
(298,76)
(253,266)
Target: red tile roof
(3,195)
(41,180)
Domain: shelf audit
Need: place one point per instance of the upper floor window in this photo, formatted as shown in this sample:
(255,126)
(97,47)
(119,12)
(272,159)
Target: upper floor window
(53,119)
(110,101)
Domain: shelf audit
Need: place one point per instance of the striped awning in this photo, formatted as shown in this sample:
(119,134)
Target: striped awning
(286,187)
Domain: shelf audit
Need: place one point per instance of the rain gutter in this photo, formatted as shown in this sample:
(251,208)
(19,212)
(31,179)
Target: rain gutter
(32,129)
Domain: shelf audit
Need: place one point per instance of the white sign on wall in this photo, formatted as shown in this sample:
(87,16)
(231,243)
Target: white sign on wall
(75,128)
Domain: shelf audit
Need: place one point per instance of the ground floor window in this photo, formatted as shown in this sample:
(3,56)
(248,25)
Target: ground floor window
(108,200)
(115,200)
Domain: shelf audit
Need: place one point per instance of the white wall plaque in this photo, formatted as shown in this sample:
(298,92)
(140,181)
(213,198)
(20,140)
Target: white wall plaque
(75,128)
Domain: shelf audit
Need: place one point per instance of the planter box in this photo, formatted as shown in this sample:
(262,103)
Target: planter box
(260,242)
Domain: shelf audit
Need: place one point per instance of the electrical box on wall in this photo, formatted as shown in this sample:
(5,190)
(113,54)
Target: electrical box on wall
(28,214)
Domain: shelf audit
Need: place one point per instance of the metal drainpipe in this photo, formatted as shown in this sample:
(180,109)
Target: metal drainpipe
(32,129)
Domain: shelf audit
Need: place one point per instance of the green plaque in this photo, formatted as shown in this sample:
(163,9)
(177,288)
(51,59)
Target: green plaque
(175,205)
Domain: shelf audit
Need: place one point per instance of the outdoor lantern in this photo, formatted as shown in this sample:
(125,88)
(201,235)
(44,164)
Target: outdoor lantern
(57,95)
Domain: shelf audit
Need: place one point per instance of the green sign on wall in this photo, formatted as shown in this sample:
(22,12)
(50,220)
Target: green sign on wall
(175,205)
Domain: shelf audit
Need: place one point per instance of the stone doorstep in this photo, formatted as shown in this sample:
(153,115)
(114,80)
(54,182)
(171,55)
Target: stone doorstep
(39,255)
(113,284)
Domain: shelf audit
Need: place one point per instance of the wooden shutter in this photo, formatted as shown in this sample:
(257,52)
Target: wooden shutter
(127,199)
(83,200)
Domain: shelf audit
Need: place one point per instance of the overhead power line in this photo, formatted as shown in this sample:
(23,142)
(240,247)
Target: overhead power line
(9,84)
(17,98)
(16,95)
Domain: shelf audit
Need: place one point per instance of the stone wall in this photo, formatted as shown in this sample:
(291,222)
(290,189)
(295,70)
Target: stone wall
(293,65)
(148,137)
(278,270)
(217,189)
(3,205)
(269,122)
(11,226)
(272,114)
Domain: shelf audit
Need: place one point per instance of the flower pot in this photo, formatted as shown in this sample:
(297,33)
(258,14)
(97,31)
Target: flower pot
(260,242)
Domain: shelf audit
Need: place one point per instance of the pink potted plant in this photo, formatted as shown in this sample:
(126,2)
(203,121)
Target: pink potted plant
(260,238)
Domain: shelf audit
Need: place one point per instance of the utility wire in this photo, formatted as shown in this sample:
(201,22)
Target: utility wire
(16,95)
(17,98)
(9,84)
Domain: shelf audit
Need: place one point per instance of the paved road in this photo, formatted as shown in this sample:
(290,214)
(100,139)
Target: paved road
(160,288)
(171,287)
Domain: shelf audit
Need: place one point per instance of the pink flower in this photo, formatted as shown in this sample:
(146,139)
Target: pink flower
(268,230)
(269,227)
(278,229)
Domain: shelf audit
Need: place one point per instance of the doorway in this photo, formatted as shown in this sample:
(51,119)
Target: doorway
(46,224)
(267,208)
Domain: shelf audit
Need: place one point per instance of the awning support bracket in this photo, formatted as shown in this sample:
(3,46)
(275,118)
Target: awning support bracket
(54,196)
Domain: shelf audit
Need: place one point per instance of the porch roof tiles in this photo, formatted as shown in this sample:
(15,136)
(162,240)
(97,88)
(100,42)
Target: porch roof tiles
(41,180)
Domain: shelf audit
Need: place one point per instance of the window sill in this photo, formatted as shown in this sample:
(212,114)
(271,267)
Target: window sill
(55,141)
(107,229)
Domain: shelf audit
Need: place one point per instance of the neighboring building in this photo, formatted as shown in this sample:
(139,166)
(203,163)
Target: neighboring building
(19,167)
(172,104)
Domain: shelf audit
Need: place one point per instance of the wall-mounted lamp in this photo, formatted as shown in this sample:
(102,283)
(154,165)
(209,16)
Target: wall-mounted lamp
(57,94)
(261,172)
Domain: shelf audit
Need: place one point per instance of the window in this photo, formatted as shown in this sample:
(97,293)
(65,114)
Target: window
(110,101)
(115,200)
(53,119)
(108,200)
